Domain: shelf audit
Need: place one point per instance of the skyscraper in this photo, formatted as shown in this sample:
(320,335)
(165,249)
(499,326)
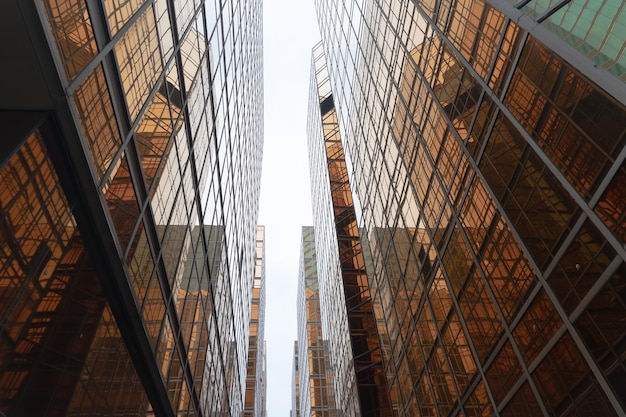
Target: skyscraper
(312,392)
(345,295)
(295,383)
(485,148)
(130,165)
(255,375)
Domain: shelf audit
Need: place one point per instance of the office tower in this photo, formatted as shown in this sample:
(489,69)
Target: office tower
(312,392)
(347,311)
(130,164)
(255,375)
(485,148)
(295,383)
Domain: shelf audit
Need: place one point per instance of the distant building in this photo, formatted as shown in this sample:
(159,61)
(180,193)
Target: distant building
(295,383)
(485,151)
(130,170)
(312,390)
(347,312)
(255,375)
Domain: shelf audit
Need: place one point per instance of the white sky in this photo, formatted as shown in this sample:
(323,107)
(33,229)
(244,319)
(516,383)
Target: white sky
(290,32)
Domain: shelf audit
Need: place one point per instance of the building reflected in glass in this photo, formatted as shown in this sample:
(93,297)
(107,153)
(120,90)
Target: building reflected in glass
(256,380)
(347,316)
(312,389)
(485,150)
(131,271)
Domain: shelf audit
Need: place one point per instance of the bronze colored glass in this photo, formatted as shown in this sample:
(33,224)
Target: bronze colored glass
(71,27)
(129,275)
(139,59)
(486,163)
(61,350)
(98,120)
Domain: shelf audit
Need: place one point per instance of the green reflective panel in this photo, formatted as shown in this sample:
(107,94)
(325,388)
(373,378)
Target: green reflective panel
(537,8)
(596,29)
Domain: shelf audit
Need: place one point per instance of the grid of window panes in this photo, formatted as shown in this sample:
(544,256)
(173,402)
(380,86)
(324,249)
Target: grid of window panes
(295,383)
(595,29)
(487,170)
(332,300)
(61,352)
(255,374)
(167,95)
(370,379)
(315,376)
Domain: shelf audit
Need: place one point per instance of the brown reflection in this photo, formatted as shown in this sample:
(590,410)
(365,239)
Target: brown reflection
(122,201)
(119,11)
(504,60)
(370,377)
(478,134)
(112,385)
(524,403)
(60,350)
(504,372)
(565,381)
(139,59)
(459,355)
(506,268)
(441,380)
(153,309)
(481,316)
(578,126)
(192,300)
(140,263)
(537,205)
(72,31)
(155,130)
(478,404)
(612,206)
(96,115)
(603,328)
(584,261)
(538,325)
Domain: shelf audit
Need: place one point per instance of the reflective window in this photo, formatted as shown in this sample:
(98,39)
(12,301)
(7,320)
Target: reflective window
(478,404)
(612,206)
(564,380)
(584,261)
(539,323)
(504,372)
(60,348)
(153,134)
(119,193)
(538,206)
(481,316)
(523,404)
(139,59)
(119,11)
(140,263)
(72,31)
(602,328)
(98,120)
(594,29)
(574,122)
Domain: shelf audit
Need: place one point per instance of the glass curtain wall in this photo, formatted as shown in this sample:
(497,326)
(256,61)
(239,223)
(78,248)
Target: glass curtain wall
(485,159)
(157,143)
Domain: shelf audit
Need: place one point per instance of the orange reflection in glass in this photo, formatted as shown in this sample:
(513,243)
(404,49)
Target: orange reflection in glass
(73,33)
(122,201)
(139,59)
(98,120)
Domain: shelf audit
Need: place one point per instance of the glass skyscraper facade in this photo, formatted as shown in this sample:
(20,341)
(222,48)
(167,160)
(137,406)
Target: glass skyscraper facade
(130,165)
(485,147)
(345,295)
(255,375)
(312,392)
